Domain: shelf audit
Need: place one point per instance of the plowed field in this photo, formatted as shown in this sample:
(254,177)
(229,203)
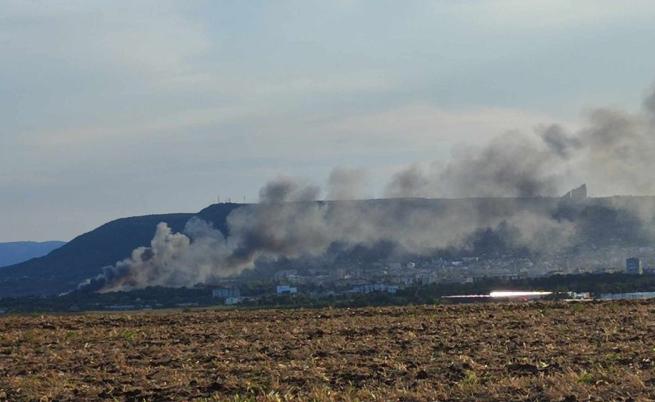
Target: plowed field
(504,352)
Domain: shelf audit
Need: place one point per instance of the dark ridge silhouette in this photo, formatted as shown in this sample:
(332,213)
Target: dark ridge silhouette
(84,256)
(19,251)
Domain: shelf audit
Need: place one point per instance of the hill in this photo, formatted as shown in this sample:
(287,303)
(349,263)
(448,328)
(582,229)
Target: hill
(599,222)
(84,256)
(17,252)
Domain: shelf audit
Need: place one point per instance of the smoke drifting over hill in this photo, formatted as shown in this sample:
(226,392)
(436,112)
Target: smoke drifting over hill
(613,153)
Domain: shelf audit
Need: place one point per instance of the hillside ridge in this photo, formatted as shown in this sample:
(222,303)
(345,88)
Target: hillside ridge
(85,256)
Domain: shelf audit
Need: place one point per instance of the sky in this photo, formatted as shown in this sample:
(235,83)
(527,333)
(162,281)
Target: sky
(121,108)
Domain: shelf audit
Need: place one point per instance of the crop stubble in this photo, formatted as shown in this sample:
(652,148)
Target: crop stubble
(535,351)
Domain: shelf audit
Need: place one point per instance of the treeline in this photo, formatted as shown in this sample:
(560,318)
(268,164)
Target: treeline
(594,283)
(153,297)
(259,295)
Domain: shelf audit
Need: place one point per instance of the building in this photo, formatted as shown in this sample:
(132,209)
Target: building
(579,295)
(627,296)
(286,290)
(285,274)
(371,288)
(577,194)
(230,301)
(224,293)
(633,266)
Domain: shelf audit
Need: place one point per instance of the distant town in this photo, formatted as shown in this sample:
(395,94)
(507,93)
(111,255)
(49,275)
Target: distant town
(604,273)
(313,278)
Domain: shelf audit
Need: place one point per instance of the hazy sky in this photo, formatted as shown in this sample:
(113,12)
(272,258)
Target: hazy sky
(119,108)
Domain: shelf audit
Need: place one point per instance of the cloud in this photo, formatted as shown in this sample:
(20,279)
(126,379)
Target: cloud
(552,14)
(119,99)
(151,39)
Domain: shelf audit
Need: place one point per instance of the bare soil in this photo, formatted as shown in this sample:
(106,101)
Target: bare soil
(505,352)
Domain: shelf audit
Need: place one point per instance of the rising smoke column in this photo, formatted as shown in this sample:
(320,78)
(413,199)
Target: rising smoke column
(173,258)
(287,222)
(614,151)
(281,226)
(511,165)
